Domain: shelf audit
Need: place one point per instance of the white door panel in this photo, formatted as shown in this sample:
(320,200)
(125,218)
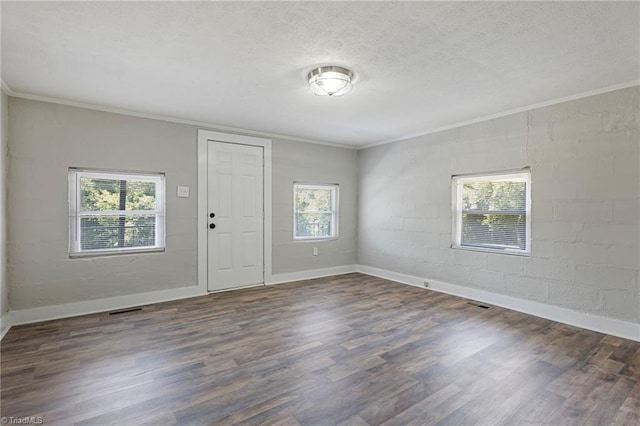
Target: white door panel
(236,198)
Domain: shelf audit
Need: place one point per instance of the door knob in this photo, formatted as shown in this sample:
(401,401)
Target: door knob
(212,225)
(212,215)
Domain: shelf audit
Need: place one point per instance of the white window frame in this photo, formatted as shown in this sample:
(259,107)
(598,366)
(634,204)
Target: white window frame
(457,185)
(76,213)
(335,197)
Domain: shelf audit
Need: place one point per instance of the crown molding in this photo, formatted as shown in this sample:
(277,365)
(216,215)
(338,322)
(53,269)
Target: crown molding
(214,126)
(5,88)
(201,124)
(510,112)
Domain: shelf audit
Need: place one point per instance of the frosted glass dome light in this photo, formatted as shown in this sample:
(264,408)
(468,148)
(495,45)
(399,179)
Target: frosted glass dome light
(330,81)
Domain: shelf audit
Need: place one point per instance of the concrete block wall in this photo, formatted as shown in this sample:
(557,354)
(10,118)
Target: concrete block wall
(46,139)
(4,133)
(312,163)
(585,160)
(584,156)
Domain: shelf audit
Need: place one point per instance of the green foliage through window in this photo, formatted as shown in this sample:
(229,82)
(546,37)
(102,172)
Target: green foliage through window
(315,213)
(493,212)
(497,195)
(114,213)
(106,194)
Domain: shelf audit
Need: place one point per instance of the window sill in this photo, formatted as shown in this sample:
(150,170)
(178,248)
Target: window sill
(115,253)
(495,251)
(313,239)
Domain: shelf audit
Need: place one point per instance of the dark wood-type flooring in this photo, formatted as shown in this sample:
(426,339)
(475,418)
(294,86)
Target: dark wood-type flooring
(350,349)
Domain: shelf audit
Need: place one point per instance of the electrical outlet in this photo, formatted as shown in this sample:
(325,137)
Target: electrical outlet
(183,192)
(426,284)
(315,251)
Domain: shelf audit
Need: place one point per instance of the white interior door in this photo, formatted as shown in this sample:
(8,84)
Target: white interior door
(235,201)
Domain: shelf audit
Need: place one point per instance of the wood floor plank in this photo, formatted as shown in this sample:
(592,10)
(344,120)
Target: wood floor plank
(535,411)
(345,350)
(605,409)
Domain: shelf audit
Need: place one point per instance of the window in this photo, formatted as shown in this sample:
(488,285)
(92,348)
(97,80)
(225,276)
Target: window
(492,212)
(113,212)
(315,211)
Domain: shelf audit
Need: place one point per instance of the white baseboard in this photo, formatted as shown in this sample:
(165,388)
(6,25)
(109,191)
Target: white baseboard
(307,275)
(597,323)
(614,327)
(46,313)
(5,324)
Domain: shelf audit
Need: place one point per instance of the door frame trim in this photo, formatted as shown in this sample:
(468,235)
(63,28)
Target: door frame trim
(204,136)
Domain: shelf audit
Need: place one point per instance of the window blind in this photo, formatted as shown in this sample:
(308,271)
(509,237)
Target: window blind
(115,212)
(493,212)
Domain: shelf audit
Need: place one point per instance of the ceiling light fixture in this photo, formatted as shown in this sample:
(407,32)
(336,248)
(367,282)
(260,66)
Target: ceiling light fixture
(330,81)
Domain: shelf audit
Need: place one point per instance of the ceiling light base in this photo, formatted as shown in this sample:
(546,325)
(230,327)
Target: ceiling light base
(330,80)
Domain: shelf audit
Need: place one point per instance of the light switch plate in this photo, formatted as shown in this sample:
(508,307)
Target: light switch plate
(183,191)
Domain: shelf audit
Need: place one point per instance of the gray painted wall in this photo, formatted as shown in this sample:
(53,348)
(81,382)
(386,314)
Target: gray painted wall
(46,139)
(296,162)
(4,136)
(584,158)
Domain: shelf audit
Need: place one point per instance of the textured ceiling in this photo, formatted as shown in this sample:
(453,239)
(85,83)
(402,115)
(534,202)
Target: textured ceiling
(419,65)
